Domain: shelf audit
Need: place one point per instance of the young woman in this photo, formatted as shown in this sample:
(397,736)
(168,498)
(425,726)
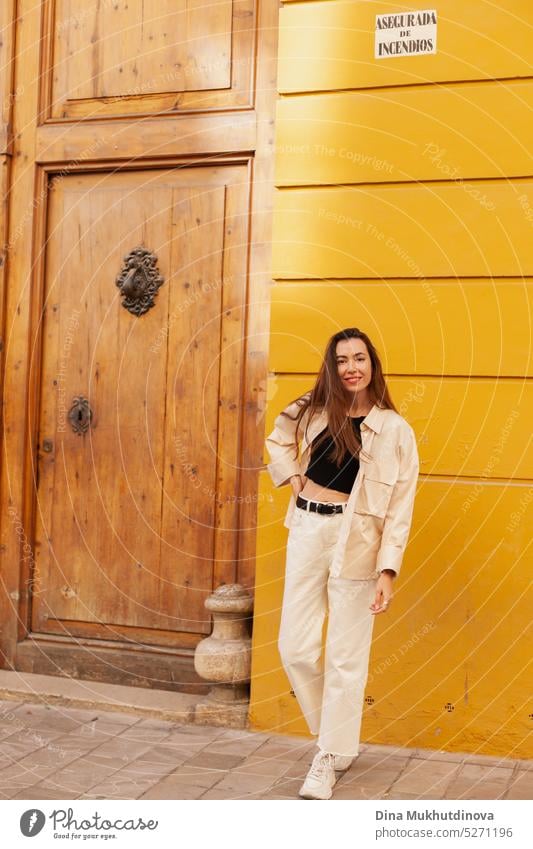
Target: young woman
(352,463)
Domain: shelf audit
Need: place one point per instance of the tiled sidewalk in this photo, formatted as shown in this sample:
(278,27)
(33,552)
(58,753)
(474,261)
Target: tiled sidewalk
(64,753)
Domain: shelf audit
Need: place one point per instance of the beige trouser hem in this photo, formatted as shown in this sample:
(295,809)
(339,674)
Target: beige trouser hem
(329,690)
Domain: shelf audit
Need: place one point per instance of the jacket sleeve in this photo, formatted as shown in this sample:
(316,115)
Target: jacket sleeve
(281,447)
(400,510)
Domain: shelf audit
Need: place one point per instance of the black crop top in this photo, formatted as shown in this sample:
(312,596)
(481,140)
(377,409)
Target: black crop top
(322,468)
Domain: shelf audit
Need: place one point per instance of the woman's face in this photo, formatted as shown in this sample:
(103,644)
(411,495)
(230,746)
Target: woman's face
(353,364)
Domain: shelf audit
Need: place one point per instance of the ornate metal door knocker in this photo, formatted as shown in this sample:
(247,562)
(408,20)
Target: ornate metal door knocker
(139,281)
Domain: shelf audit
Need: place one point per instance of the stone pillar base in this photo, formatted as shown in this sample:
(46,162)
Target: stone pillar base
(210,712)
(224,659)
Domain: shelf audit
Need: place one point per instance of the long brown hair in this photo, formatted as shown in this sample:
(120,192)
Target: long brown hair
(329,394)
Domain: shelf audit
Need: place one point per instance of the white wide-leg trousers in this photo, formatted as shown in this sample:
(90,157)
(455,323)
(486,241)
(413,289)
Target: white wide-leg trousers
(329,690)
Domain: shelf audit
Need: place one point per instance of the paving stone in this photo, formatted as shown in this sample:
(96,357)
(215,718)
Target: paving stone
(234,747)
(102,729)
(159,724)
(39,792)
(525,764)
(111,717)
(215,760)
(220,794)
(395,794)
(489,760)
(426,777)
(245,783)
(276,749)
(22,744)
(521,786)
(142,734)
(276,797)
(119,751)
(160,757)
(18,778)
(205,731)
(378,778)
(7,729)
(123,785)
(297,770)
(39,717)
(287,787)
(196,776)
(136,778)
(190,741)
(77,778)
(357,792)
(6,704)
(477,782)
(48,760)
(242,735)
(383,758)
(255,765)
(180,783)
(391,751)
(168,790)
(432,755)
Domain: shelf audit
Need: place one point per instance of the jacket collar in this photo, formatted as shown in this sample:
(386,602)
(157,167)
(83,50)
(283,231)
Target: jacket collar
(374,419)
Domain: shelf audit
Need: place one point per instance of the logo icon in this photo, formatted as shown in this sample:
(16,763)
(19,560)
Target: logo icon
(32,822)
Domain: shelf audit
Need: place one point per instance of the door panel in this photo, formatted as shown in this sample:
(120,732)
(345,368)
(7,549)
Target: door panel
(130,506)
(148,55)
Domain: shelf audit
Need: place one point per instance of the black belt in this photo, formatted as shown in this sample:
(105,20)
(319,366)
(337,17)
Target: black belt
(327,508)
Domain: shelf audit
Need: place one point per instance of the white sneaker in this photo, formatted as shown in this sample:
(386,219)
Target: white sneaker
(343,762)
(321,778)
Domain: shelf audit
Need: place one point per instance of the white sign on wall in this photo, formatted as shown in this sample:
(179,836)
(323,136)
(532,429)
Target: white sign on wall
(407,34)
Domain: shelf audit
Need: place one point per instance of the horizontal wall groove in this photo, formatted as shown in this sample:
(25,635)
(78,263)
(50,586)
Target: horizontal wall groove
(402,183)
(521,280)
(427,84)
(418,375)
(467,480)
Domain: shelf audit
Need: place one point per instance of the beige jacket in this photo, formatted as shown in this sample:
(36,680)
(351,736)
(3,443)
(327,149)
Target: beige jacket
(376,524)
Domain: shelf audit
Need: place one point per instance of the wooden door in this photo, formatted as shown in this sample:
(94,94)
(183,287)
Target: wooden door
(137,280)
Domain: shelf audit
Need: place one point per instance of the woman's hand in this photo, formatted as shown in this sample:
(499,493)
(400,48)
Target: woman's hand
(297,483)
(383,593)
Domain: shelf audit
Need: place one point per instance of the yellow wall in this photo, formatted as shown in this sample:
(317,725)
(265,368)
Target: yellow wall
(404,206)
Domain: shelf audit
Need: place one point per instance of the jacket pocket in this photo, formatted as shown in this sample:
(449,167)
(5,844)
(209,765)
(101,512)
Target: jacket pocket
(376,489)
(362,546)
